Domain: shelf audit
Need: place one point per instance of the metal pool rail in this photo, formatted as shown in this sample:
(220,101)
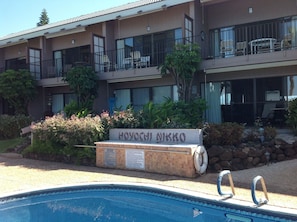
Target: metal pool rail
(260,201)
(219,183)
(257,201)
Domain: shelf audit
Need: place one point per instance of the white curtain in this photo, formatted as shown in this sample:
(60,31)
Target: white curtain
(294,30)
(120,52)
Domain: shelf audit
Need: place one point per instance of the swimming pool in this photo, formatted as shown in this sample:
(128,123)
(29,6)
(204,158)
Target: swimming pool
(124,202)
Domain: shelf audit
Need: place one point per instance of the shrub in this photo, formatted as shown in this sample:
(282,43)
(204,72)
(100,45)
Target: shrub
(222,134)
(56,136)
(83,80)
(18,87)
(172,114)
(70,131)
(73,108)
(292,115)
(10,126)
(269,132)
(124,119)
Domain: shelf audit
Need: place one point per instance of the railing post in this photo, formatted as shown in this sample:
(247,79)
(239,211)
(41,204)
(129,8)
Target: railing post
(219,182)
(260,201)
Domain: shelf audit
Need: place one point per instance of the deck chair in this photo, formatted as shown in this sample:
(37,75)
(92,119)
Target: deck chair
(286,43)
(106,63)
(227,48)
(240,48)
(268,113)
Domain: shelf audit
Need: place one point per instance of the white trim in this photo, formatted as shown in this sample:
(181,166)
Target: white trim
(65,32)
(10,43)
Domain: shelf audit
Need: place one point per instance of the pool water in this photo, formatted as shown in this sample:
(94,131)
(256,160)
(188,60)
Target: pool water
(125,203)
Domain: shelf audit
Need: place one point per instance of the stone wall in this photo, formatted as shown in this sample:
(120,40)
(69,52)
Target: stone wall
(249,155)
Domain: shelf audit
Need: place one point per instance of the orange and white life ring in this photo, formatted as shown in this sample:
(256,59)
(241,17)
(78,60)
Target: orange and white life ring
(200,160)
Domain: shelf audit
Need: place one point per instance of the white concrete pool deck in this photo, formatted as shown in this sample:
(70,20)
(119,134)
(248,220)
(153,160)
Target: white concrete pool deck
(20,175)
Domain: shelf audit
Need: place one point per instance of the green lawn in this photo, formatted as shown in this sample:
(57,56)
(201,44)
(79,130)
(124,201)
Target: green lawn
(7,144)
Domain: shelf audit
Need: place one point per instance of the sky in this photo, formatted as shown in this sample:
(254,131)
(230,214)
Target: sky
(20,15)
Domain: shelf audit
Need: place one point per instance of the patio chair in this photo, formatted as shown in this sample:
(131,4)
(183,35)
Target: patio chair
(268,113)
(106,63)
(136,57)
(240,48)
(227,48)
(286,43)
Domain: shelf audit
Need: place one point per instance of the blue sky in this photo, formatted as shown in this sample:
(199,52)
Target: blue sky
(20,15)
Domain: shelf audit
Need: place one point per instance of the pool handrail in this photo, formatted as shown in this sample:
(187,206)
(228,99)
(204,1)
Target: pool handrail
(219,183)
(260,201)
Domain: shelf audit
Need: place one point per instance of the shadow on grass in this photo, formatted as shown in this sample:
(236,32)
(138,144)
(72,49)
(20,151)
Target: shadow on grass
(10,143)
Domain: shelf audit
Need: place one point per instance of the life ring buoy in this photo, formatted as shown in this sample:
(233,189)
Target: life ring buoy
(200,160)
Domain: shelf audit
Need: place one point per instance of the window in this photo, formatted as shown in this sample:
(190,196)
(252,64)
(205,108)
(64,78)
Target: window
(58,62)
(60,100)
(227,42)
(67,58)
(225,97)
(124,48)
(98,52)
(35,63)
(155,45)
(123,98)
(223,41)
(178,35)
(140,96)
(57,103)
(161,93)
(188,30)
(15,64)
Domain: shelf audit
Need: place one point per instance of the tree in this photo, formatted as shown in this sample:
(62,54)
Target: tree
(182,64)
(84,82)
(18,88)
(43,19)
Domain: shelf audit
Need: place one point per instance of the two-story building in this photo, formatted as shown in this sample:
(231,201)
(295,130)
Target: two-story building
(248,50)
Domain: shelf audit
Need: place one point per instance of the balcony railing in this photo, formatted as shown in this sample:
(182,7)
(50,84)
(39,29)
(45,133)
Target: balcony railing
(127,58)
(256,38)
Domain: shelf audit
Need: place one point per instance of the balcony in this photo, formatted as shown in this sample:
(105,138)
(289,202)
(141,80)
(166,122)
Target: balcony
(108,66)
(126,64)
(252,46)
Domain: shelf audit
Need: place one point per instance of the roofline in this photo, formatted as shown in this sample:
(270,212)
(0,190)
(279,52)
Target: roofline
(72,25)
(210,2)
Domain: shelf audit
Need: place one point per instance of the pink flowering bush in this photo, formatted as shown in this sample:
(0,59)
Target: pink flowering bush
(55,137)
(69,131)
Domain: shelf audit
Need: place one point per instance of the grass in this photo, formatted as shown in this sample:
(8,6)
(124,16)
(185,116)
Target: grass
(11,143)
